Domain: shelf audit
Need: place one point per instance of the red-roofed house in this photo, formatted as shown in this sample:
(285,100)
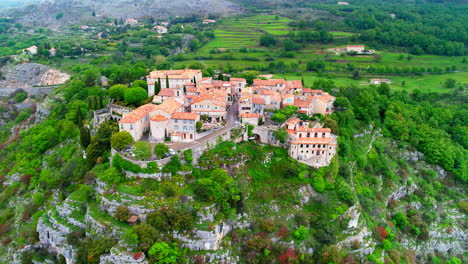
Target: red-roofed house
(176,78)
(210,105)
(185,126)
(250,118)
(314,146)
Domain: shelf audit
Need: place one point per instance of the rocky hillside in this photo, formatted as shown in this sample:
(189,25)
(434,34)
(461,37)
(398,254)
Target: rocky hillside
(28,75)
(44,14)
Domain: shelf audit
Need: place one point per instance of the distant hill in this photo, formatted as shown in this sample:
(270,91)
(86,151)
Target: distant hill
(46,12)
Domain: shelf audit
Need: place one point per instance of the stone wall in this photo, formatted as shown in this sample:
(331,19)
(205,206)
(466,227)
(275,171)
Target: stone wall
(142,163)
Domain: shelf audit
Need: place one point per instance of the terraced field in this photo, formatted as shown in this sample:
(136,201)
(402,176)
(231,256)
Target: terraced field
(245,32)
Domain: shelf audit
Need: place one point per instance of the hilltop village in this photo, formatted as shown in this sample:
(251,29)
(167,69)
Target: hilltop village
(185,103)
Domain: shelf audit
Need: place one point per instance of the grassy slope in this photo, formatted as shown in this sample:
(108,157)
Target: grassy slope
(235,33)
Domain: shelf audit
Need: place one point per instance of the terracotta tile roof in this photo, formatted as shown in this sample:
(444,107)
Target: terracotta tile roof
(214,100)
(312,140)
(294,84)
(192,89)
(285,96)
(234,79)
(189,84)
(271,82)
(166,92)
(169,106)
(258,100)
(302,103)
(133,219)
(138,114)
(185,116)
(266,92)
(249,115)
(308,90)
(159,118)
(313,129)
(293,120)
(174,74)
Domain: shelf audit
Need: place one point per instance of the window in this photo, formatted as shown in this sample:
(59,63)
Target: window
(176,127)
(131,126)
(191,128)
(121,126)
(323,135)
(315,135)
(176,121)
(184,128)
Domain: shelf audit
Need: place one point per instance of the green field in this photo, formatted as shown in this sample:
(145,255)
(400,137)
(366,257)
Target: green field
(245,32)
(425,83)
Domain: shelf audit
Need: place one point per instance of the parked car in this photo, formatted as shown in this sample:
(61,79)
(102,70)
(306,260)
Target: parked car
(172,152)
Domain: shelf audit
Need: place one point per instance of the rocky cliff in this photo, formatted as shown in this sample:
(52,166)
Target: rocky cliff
(74,11)
(31,77)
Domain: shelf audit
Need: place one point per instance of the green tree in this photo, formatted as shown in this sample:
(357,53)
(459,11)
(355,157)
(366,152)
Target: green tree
(85,137)
(162,253)
(135,96)
(167,81)
(199,125)
(450,83)
(121,140)
(301,233)
(141,84)
(161,150)
(118,92)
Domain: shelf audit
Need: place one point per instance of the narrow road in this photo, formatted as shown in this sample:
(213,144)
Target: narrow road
(231,119)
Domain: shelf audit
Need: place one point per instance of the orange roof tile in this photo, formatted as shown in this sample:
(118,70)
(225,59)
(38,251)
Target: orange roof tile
(185,116)
(302,103)
(159,118)
(138,114)
(169,106)
(271,82)
(166,92)
(257,100)
(312,140)
(249,115)
(313,129)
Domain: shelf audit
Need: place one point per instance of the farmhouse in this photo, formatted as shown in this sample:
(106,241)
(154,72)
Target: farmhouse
(160,29)
(209,21)
(32,50)
(379,81)
(131,21)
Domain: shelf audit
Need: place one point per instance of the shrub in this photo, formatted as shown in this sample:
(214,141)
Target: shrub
(164,253)
(121,140)
(20,97)
(161,150)
(121,164)
(318,183)
(122,213)
(301,233)
(188,156)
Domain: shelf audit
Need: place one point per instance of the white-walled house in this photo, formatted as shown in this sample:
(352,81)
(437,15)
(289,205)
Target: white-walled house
(176,78)
(379,81)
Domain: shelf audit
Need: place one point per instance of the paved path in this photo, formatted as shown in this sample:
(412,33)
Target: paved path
(231,118)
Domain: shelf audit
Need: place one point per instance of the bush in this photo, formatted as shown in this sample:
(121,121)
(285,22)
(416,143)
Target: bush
(161,150)
(142,150)
(122,213)
(318,183)
(135,95)
(301,233)
(20,97)
(121,140)
(121,164)
(117,92)
(188,156)
(164,253)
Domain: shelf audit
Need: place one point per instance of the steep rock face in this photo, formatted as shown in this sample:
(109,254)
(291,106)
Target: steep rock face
(52,235)
(29,76)
(74,11)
